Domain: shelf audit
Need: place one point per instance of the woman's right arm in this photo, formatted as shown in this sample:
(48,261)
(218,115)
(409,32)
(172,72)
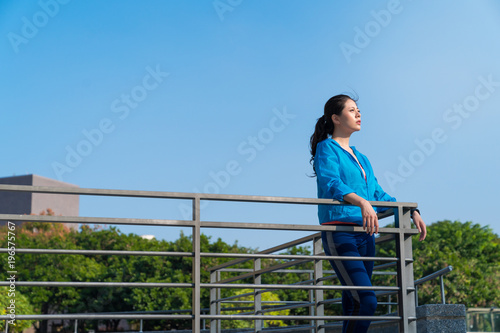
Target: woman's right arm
(370,219)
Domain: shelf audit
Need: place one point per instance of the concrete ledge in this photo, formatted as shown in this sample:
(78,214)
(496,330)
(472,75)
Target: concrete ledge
(441,318)
(431,318)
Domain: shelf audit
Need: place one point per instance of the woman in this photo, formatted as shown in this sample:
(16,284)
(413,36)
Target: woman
(344,174)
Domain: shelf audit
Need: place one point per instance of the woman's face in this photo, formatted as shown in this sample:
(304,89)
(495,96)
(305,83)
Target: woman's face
(349,120)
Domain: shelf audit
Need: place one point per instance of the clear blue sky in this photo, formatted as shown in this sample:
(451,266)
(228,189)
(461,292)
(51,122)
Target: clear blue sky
(162,95)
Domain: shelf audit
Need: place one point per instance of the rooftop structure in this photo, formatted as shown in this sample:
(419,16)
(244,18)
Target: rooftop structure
(27,203)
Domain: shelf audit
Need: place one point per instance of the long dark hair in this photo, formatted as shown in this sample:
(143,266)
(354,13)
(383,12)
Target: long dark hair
(324,125)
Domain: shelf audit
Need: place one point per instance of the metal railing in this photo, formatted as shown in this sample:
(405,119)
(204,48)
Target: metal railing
(441,273)
(405,288)
(482,320)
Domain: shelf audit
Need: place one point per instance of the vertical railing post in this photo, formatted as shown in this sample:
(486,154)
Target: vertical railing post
(406,306)
(257,295)
(311,295)
(196,268)
(318,274)
(441,280)
(6,326)
(492,321)
(215,324)
(76,325)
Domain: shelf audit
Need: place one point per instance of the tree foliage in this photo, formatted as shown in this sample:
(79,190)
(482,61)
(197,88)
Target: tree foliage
(245,301)
(472,250)
(22,306)
(474,253)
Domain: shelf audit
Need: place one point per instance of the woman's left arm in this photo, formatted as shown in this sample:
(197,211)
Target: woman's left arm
(420,224)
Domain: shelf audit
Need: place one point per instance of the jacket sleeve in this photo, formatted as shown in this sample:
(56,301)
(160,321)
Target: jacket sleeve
(327,167)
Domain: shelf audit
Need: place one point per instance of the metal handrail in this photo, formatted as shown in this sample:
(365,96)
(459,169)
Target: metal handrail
(432,276)
(400,233)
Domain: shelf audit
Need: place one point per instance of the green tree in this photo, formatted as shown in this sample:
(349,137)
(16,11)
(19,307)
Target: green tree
(247,302)
(472,250)
(22,306)
(176,269)
(474,253)
(109,268)
(47,267)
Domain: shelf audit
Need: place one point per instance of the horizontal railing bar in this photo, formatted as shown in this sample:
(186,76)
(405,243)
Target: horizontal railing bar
(262,302)
(99,192)
(94,220)
(286,329)
(94,316)
(296,257)
(285,286)
(184,285)
(299,257)
(102,252)
(221,317)
(186,195)
(98,284)
(434,275)
(295,317)
(245,270)
(300,227)
(383,320)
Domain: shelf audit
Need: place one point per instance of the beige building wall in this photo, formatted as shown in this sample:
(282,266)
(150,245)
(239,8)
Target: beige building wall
(21,203)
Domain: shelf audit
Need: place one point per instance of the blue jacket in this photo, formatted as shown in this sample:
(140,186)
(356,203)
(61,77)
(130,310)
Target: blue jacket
(339,174)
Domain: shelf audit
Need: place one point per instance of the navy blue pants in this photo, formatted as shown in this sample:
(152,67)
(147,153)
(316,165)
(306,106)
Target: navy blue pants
(353,273)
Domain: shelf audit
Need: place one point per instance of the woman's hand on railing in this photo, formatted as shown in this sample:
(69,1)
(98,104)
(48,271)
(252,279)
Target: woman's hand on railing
(420,224)
(370,219)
